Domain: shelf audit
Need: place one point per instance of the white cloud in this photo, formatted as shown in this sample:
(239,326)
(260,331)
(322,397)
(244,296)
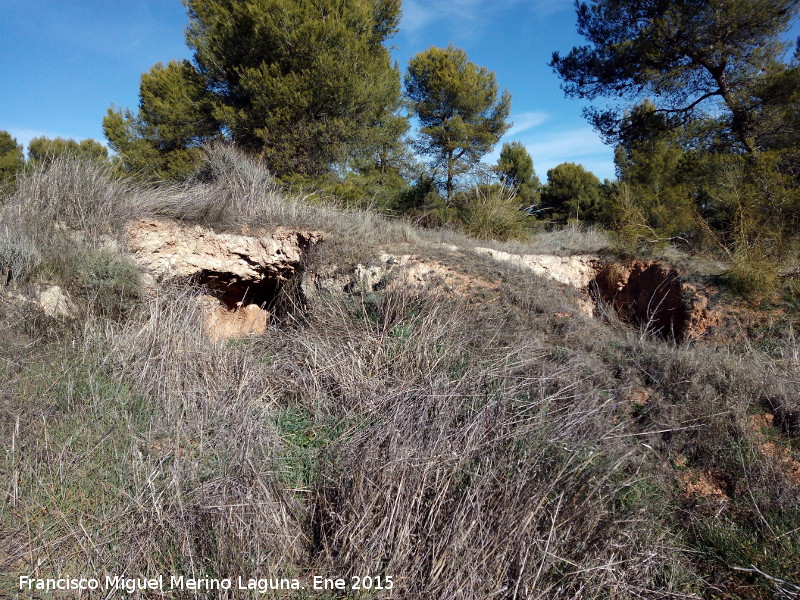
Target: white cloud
(581,141)
(525,121)
(466,15)
(580,145)
(460,16)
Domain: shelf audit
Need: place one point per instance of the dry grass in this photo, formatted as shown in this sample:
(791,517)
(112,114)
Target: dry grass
(492,212)
(460,465)
(147,452)
(509,449)
(479,469)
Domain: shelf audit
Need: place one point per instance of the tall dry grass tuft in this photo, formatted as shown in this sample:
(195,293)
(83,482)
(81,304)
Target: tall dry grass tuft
(493,212)
(70,194)
(233,189)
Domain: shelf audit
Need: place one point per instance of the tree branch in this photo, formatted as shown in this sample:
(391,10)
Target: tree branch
(717,92)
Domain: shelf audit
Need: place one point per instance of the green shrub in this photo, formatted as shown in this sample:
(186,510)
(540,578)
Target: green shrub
(750,276)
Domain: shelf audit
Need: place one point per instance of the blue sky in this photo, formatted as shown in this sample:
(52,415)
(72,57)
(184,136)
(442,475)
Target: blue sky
(63,63)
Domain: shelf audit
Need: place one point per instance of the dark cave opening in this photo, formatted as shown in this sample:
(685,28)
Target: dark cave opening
(645,295)
(277,292)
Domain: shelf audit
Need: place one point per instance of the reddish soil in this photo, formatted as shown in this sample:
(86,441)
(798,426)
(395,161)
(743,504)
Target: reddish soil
(652,294)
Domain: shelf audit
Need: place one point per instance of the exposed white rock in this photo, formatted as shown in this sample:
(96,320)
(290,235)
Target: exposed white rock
(243,272)
(55,302)
(368,277)
(577,270)
(167,249)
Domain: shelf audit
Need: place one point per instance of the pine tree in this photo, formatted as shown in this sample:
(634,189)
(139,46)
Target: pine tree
(572,192)
(11,158)
(515,167)
(692,57)
(458,108)
(657,203)
(42,150)
(175,117)
(305,84)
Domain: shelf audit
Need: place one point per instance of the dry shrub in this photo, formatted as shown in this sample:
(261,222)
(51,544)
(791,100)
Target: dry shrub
(487,497)
(53,212)
(213,407)
(701,410)
(782,400)
(19,257)
(233,189)
(469,465)
(228,191)
(70,194)
(570,239)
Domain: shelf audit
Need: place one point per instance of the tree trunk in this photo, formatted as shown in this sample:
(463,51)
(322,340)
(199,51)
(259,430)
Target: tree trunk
(740,117)
(449,182)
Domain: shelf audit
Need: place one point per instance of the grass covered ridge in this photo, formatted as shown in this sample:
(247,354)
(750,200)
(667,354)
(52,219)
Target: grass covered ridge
(509,449)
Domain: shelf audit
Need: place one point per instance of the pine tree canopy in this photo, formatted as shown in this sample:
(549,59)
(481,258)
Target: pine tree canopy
(457,104)
(306,84)
(42,150)
(572,192)
(687,55)
(515,164)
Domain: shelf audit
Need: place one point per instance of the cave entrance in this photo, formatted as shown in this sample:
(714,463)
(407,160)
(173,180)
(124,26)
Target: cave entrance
(234,307)
(645,295)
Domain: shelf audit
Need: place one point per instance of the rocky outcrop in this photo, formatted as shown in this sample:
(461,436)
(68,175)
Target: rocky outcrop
(55,302)
(407,271)
(45,297)
(168,249)
(250,278)
(641,293)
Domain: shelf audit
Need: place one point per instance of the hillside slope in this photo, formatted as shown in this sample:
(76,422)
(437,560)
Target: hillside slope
(467,430)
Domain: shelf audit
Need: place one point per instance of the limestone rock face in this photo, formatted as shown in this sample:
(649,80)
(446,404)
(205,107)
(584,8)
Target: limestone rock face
(408,272)
(576,270)
(168,249)
(249,278)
